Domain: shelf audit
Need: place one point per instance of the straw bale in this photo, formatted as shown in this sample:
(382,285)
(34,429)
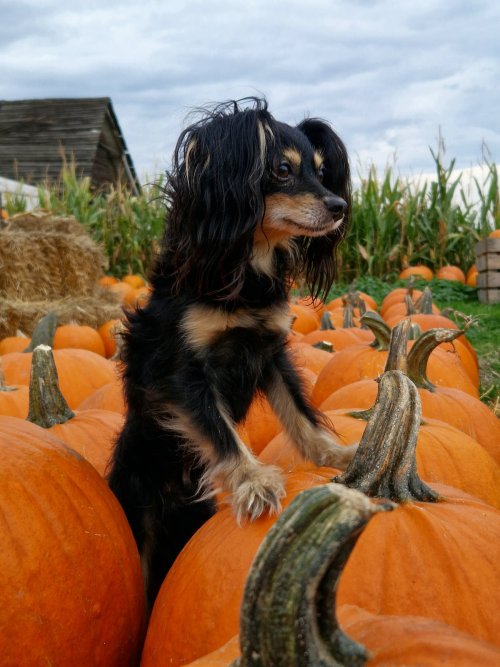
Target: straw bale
(48,257)
(92,310)
(44,220)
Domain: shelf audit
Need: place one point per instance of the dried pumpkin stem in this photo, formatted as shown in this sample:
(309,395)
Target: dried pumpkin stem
(384,465)
(424,302)
(379,328)
(288,618)
(418,356)
(44,332)
(47,405)
(397,353)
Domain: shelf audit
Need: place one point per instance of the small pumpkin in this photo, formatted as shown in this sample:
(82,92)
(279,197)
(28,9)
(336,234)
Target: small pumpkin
(451,272)
(92,433)
(79,336)
(418,270)
(13,399)
(134,279)
(14,343)
(80,372)
(109,331)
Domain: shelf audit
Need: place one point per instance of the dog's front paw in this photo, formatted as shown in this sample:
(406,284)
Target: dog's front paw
(260,490)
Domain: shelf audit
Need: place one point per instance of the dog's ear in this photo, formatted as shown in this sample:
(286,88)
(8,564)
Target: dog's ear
(318,254)
(337,177)
(217,198)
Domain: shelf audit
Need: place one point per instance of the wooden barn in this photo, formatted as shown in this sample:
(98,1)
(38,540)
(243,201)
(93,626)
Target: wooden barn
(36,136)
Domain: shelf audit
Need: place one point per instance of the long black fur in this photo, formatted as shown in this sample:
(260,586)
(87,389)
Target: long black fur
(223,171)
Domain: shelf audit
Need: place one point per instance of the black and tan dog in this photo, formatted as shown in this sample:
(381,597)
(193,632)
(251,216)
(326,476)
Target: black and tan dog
(253,203)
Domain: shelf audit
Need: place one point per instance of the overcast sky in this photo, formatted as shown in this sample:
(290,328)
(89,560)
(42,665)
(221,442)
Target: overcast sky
(389,76)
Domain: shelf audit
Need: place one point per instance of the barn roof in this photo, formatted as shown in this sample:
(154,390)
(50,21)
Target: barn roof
(36,136)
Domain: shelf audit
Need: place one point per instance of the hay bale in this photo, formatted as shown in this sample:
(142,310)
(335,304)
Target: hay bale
(46,257)
(24,315)
(37,220)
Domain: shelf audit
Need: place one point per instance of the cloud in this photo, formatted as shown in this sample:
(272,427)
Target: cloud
(388,75)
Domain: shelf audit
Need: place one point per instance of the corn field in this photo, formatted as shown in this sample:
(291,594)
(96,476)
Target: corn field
(395,222)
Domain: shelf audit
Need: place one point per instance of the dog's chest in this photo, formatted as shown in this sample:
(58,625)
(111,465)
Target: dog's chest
(203,326)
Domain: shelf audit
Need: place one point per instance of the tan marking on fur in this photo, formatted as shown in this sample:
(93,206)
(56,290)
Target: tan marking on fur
(202,325)
(318,159)
(293,156)
(314,443)
(187,159)
(300,215)
(261,129)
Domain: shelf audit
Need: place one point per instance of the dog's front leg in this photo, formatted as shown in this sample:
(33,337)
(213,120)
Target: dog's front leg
(301,421)
(229,465)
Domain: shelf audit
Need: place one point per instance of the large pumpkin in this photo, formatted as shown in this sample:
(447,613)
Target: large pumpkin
(71,584)
(395,641)
(447,543)
(444,454)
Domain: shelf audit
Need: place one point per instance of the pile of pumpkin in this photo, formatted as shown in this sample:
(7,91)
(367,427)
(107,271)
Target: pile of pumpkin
(420,586)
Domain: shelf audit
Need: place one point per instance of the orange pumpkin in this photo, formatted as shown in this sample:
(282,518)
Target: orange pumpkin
(79,336)
(14,344)
(419,270)
(72,591)
(134,279)
(138,297)
(444,454)
(13,400)
(305,319)
(450,272)
(339,338)
(108,397)
(108,332)
(398,641)
(437,555)
(495,234)
(183,597)
(121,289)
(398,295)
(80,372)
(107,281)
(92,433)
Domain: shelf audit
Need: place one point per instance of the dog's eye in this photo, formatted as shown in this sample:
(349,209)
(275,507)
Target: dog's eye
(321,174)
(283,171)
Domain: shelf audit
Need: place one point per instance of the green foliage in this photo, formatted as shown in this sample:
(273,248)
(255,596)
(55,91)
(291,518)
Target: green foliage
(128,227)
(396,222)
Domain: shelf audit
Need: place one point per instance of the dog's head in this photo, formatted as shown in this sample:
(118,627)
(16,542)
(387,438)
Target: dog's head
(240,178)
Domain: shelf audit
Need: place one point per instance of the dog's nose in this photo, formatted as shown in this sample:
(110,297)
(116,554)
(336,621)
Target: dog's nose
(335,204)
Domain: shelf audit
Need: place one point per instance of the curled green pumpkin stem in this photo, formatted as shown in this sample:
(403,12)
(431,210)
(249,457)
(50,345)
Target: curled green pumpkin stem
(288,618)
(384,465)
(380,330)
(418,356)
(47,405)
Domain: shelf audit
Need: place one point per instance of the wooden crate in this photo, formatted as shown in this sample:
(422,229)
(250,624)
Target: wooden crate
(488,266)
